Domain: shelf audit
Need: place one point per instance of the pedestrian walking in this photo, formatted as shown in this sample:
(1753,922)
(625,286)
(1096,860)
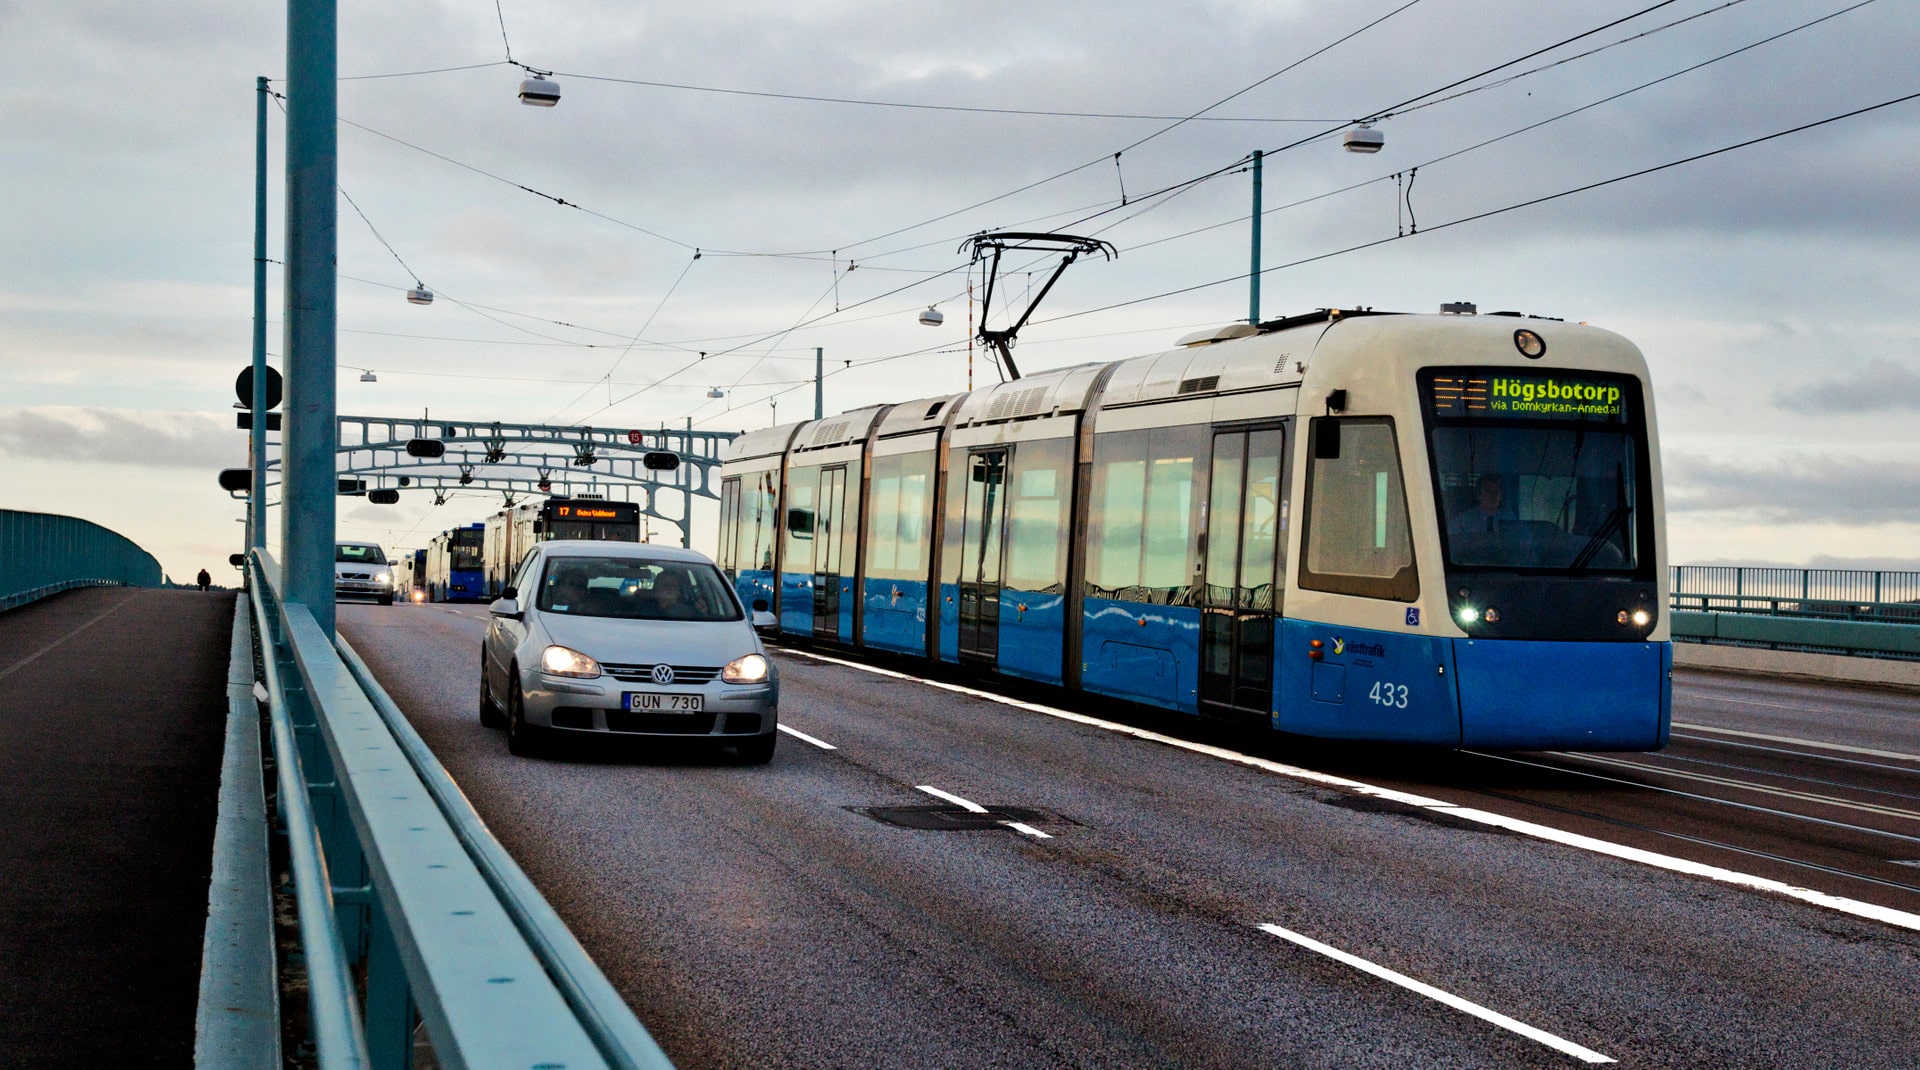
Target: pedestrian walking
(203,579)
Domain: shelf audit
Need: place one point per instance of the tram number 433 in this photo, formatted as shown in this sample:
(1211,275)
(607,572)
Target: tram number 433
(1386,694)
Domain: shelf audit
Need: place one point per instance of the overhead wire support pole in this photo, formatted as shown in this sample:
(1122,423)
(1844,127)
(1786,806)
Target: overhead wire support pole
(257,441)
(309,440)
(1253,277)
(819,378)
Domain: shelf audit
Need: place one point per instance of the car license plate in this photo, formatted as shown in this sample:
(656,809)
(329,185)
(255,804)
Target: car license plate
(649,701)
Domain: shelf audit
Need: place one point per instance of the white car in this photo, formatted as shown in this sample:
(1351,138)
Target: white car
(361,570)
(626,639)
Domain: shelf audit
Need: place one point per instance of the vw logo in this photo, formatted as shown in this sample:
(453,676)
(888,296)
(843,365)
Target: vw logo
(663,674)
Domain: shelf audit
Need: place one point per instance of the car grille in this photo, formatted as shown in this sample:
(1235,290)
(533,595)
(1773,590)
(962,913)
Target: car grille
(643,674)
(355,576)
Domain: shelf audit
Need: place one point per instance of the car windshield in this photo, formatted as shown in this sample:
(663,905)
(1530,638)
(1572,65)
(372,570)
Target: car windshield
(358,553)
(636,589)
(1537,497)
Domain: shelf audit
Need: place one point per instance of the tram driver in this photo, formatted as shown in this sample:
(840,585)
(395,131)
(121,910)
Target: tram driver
(1488,512)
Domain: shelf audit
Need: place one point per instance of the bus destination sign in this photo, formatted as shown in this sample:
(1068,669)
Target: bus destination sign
(1550,397)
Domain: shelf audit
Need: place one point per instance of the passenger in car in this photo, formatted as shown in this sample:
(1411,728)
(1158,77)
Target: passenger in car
(670,597)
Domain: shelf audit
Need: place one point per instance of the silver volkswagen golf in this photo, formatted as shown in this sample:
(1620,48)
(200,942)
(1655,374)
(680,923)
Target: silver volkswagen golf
(626,639)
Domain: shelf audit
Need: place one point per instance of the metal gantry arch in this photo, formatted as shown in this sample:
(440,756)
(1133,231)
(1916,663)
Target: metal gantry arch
(661,471)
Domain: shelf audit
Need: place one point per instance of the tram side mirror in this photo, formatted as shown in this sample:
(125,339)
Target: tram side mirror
(538,527)
(237,560)
(1326,440)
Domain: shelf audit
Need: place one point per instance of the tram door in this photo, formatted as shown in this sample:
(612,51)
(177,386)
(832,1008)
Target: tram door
(1245,526)
(827,545)
(979,594)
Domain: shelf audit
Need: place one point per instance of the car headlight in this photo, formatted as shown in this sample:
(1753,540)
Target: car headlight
(561,661)
(750,669)
(385,579)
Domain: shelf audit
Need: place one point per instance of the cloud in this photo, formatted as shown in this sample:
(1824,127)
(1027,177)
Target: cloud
(1881,385)
(1798,489)
(123,437)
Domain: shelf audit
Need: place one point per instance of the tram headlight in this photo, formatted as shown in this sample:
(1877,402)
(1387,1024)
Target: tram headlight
(1641,617)
(1468,614)
(562,661)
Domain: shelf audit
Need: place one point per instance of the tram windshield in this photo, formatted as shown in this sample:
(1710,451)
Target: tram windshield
(1539,485)
(467,544)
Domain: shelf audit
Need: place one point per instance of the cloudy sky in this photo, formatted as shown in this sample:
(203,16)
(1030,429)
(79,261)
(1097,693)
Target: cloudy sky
(1772,287)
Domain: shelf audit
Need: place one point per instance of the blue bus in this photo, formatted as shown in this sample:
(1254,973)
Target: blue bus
(455,566)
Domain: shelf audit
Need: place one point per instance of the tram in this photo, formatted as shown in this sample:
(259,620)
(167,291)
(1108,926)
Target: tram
(1423,529)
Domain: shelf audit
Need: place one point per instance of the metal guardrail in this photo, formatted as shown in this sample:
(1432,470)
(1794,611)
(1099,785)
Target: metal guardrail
(1848,594)
(408,909)
(43,554)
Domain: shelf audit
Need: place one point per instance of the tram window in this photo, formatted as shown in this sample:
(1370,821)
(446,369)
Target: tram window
(897,531)
(757,525)
(1538,497)
(914,545)
(1169,523)
(802,485)
(883,517)
(1142,514)
(1357,537)
(729,522)
(1118,505)
(1038,515)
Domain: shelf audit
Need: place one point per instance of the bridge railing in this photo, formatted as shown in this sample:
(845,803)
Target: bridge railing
(409,911)
(1832,594)
(42,554)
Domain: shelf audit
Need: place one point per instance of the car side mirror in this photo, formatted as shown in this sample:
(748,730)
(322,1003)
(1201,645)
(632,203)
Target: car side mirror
(392,562)
(505,607)
(763,617)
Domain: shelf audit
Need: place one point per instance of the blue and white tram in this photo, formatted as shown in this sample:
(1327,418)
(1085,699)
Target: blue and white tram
(1426,529)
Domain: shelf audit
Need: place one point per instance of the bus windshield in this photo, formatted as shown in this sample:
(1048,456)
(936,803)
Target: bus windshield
(467,548)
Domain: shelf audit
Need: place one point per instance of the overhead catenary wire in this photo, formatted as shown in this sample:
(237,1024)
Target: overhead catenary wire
(1490,213)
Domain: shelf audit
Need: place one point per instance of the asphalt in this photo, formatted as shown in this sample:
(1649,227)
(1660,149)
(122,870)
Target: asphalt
(112,720)
(789,915)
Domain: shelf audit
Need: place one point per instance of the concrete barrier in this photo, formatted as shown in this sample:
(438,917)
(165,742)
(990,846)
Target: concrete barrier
(1878,672)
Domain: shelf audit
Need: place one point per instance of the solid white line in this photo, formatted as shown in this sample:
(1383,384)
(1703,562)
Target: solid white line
(1868,751)
(1028,829)
(970,807)
(1887,915)
(804,738)
(1585,1055)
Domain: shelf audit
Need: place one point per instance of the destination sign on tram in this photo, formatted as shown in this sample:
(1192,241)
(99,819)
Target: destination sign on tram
(1528,396)
(593,512)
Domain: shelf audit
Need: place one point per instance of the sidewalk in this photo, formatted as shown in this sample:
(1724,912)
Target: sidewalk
(112,719)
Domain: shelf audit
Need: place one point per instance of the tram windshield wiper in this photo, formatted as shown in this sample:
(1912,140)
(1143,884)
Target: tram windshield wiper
(1615,520)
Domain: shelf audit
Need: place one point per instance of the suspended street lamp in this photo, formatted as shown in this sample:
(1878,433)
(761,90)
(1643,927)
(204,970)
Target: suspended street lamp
(539,91)
(932,317)
(367,376)
(1364,138)
(420,295)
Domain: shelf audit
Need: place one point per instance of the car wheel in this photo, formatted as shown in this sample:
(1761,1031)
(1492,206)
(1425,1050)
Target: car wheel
(490,714)
(386,600)
(759,750)
(522,738)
